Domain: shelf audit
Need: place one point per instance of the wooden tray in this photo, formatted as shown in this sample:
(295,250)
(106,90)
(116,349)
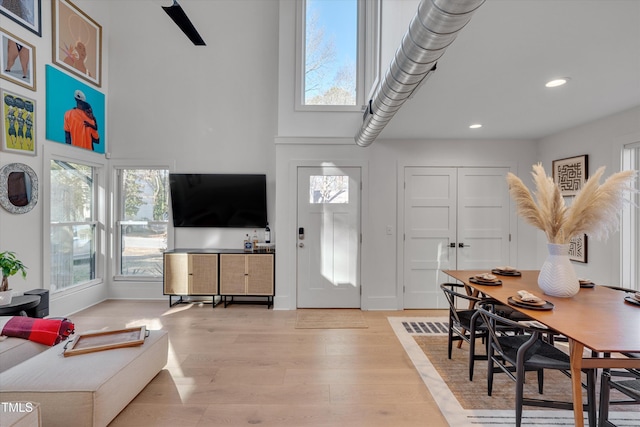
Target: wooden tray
(106,340)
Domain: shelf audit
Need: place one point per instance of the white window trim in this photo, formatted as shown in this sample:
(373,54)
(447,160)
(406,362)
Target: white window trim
(65,153)
(116,165)
(368,67)
(630,223)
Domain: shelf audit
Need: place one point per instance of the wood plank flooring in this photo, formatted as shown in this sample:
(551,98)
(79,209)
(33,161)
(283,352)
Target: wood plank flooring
(246,365)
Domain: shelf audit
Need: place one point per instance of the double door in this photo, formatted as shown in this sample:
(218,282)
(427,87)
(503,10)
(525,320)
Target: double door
(454,218)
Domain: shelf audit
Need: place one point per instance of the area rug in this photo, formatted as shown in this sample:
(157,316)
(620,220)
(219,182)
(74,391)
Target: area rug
(465,403)
(334,318)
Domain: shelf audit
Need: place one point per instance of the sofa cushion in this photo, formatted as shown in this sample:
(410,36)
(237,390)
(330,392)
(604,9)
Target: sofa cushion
(17,350)
(87,389)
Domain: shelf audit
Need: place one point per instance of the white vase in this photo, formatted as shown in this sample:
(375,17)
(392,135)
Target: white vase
(5,297)
(557,276)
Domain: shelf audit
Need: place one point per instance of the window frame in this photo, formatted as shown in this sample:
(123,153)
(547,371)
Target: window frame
(368,57)
(99,165)
(630,222)
(118,208)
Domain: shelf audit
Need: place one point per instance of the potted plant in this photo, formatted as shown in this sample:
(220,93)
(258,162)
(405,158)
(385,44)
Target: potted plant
(9,265)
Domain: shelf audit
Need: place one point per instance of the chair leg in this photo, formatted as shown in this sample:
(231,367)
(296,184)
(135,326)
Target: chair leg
(489,371)
(520,374)
(472,353)
(450,341)
(591,396)
(540,381)
(604,399)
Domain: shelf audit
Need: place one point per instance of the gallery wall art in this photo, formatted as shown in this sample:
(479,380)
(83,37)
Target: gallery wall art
(18,123)
(75,112)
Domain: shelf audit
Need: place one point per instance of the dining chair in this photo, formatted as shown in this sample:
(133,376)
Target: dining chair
(464,323)
(528,350)
(627,382)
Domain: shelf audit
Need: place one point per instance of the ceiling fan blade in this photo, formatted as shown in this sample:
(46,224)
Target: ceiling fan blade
(179,17)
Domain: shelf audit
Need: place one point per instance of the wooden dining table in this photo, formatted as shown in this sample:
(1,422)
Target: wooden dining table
(596,318)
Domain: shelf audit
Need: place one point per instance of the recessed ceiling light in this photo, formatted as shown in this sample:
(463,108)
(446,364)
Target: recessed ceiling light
(475,126)
(557,82)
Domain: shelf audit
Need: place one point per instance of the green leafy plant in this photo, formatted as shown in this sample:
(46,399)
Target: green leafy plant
(10,265)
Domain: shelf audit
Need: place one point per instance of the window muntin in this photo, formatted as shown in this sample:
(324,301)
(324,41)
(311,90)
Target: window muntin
(142,226)
(73,224)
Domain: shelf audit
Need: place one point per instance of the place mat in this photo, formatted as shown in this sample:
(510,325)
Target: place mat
(334,318)
(484,282)
(547,305)
(519,299)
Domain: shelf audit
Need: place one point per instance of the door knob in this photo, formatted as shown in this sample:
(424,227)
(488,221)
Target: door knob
(452,245)
(301,245)
(462,245)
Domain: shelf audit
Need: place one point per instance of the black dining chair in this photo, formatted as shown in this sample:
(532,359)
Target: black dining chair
(528,350)
(627,382)
(464,323)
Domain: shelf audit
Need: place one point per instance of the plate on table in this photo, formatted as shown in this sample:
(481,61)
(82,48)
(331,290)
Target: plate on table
(538,303)
(506,271)
(586,283)
(545,306)
(632,300)
(479,281)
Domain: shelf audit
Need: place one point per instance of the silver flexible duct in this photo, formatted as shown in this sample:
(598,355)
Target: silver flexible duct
(431,31)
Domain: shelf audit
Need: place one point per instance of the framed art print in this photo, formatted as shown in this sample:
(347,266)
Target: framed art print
(77,41)
(18,59)
(24,12)
(570,174)
(75,112)
(18,123)
(578,249)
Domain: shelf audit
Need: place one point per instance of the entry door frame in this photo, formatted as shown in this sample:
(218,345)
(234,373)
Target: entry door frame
(289,236)
(513,167)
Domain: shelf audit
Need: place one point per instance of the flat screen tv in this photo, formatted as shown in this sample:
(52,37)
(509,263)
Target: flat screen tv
(218,200)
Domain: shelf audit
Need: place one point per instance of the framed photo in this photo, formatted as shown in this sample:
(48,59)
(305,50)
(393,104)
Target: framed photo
(578,249)
(75,112)
(18,123)
(25,12)
(18,59)
(570,174)
(77,41)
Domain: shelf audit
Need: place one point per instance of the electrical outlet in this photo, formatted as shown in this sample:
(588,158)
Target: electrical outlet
(389,230)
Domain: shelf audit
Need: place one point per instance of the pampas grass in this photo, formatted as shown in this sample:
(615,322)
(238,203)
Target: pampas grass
(595,210)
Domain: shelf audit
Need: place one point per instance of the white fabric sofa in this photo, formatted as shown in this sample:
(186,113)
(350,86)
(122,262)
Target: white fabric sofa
(87,389)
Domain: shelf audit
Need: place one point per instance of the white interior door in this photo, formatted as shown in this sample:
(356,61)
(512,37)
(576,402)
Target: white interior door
(454,218)
(329,237)
(429,223)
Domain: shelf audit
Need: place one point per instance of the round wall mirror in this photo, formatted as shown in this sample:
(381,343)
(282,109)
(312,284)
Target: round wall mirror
(18,188)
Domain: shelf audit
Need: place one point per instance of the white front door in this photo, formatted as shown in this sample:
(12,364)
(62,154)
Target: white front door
(454,218)
(328,237)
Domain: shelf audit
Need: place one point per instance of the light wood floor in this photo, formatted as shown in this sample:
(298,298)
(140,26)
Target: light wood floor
(246,365)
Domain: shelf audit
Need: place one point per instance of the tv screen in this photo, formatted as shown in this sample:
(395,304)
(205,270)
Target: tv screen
(218,200)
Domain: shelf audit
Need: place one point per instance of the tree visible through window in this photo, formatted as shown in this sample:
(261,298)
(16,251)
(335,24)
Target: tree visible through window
(73,224)
(143,221)
(331,52)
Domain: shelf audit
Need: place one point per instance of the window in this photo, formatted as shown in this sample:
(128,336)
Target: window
(336,38)
(142,225)
(332,189)
(73,224)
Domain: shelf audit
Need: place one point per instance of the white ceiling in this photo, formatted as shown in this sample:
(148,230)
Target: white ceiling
(494,72)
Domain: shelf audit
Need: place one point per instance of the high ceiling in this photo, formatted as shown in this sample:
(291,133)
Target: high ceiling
(494,72)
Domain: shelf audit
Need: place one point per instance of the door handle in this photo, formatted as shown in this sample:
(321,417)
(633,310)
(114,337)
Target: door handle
(462,245)
(452,245)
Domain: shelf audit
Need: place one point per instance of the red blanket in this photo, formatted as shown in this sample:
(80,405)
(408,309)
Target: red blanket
(43,331)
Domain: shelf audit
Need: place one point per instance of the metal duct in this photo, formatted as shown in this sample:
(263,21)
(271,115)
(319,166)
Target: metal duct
(431,31)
